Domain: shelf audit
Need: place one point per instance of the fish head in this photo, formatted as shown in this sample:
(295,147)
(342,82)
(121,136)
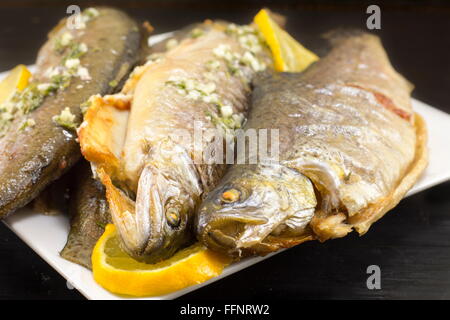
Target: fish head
(158,222)
(251,203)
(164,207)
(168,192)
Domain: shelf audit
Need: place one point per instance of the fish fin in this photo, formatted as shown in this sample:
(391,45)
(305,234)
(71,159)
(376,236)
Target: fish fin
(330,227)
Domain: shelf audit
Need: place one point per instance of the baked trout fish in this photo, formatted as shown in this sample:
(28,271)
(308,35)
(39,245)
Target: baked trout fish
(37,125)
(88,206)
(349,148)
(140,141)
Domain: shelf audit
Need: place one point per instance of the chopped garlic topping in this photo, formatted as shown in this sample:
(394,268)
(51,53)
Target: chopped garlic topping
(223,51)
(83,47)
(213,65)
(27,123)
(65,119)
(66,38)
(226,111)
(250,60)
(86,16)
(91,12)
(72,63)
(195,90)
(42,87)
(83,73)
(239,119)
(250,42)
(197,32)
(51,72)
(172,43)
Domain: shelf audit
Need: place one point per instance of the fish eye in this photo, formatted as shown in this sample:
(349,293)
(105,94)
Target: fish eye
(173,217)
(230,195)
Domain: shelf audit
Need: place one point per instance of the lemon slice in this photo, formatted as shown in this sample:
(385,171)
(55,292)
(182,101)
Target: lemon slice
(117,272)
(16,80)
(288,54)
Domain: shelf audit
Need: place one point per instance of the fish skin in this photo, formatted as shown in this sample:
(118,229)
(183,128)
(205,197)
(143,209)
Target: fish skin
(54,199)
(333,129)
(32,159)
(89,215)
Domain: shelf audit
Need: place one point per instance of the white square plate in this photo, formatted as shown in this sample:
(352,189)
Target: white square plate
(47,234)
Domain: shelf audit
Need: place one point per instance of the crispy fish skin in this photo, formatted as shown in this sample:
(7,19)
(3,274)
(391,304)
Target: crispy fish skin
(89,215)
(33,158)
(347,125)
(153,183)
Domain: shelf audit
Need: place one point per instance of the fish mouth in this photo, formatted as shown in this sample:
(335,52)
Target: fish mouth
(224,232)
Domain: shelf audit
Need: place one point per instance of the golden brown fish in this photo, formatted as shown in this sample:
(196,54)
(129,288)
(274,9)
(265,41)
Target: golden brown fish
(350,147)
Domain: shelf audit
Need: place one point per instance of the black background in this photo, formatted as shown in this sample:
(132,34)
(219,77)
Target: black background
(411,244)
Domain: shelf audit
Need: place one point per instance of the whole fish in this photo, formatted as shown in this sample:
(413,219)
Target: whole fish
(349,148)
(38,143)
(88,205)
(135,139)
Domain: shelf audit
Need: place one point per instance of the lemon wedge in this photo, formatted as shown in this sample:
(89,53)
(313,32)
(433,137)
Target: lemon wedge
(16,80)
(288,54)
(117,272)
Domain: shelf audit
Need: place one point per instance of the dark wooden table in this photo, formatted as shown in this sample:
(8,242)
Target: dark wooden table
(411,244)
